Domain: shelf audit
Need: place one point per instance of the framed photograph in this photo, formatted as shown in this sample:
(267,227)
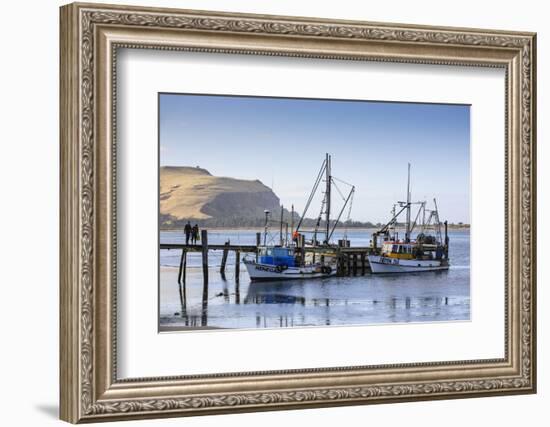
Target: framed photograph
(266,212)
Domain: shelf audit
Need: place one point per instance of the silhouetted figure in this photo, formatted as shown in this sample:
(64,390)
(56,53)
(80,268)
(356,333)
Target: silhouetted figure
(195,234)
(187,230)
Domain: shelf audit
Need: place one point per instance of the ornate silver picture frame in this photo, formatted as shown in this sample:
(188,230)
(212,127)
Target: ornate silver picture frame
(91,36)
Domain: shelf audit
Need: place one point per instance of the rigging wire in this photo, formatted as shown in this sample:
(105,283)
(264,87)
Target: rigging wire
(342,181)
(349,215)
(312,194)
(339,192)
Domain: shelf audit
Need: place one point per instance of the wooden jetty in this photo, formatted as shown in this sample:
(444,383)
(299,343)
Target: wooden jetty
(350,261)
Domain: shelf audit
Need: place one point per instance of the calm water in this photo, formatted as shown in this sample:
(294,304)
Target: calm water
(360,300)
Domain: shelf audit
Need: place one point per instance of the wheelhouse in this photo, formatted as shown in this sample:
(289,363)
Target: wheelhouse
(398,249)
(276,255)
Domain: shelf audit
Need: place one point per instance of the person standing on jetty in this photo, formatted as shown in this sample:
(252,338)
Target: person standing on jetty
(195,234)
(187,230)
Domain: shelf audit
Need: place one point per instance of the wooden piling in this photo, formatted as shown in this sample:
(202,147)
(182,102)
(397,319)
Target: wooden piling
(362,264)
(237,293)
(181,281)
(224,258)
(355,264)
(339,264)
(348,259)
(237,265)
(258,243)
(204,240)
(181,270)
(237,272)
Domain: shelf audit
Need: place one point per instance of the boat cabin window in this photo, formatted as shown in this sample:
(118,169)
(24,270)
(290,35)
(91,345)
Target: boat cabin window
(280,252)
(399,249)
(277,252)
(266,252)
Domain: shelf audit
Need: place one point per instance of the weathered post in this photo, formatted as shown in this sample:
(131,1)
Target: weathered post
(258,243)
(181,269)
(204,240)
(355,264)
(181,281)
(237,265)
(362,263)
(348,257)
(224,258)
(339,268)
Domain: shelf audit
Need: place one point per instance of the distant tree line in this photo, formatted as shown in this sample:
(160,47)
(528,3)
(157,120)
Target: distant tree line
(167,222)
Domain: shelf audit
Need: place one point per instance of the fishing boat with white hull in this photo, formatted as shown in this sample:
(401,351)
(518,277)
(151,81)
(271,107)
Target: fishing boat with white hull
(287,260)
(398,257)
(428,252)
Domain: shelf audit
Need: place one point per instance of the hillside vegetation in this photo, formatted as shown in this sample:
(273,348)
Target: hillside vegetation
(192,193)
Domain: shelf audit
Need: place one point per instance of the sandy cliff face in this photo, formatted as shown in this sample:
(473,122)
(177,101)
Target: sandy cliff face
(193,193)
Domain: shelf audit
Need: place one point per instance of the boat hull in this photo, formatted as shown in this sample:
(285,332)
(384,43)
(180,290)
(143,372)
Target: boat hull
(380,264)
(259,272)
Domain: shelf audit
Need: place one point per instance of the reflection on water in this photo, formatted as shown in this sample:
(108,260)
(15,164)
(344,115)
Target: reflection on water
(361,300)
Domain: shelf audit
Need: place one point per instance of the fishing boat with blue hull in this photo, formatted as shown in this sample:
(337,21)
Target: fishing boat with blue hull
(428,252)
(280,263)
(287,260)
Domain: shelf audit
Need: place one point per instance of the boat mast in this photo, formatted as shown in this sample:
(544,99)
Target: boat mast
(313,192)
(327,195)
(408,226)
(286,235)
(391,228)
(423,217)
(438,224)
(266,226)
(281,227)
(292,223)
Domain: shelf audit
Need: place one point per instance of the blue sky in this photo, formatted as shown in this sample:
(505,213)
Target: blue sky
(283,141)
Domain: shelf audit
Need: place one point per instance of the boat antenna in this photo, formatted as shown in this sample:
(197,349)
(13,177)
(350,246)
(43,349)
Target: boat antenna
(292,223)
(327,195)
(318,223)
(286,234)
(408,229)
(423,217)
(437,221)
(281,226)
(266,212)
(391,228)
